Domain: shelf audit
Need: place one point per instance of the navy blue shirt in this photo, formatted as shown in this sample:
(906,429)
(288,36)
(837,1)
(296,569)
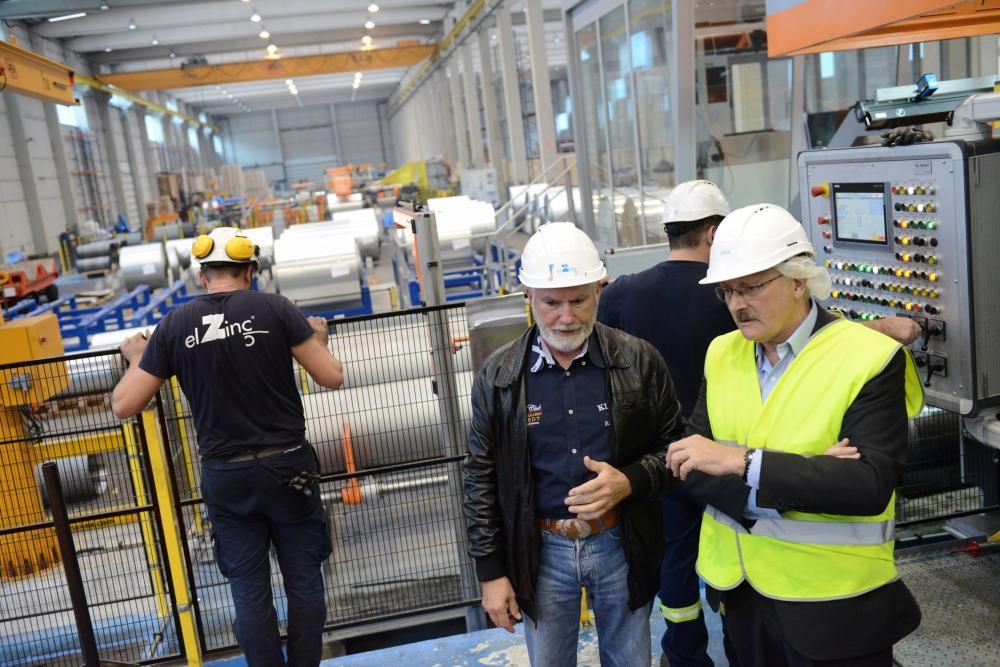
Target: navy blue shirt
(666,306)
(568,418)
(231,353)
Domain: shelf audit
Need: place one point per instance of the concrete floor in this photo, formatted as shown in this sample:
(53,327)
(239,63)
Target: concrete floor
(495,648)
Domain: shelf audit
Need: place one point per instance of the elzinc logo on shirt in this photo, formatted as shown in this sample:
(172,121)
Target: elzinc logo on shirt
(219,329)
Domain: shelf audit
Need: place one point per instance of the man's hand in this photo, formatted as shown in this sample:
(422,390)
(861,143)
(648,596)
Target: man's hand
(320,330)
(133,347)
(592,499)
(901,329)
(843,450)
(500,603)
(698,453)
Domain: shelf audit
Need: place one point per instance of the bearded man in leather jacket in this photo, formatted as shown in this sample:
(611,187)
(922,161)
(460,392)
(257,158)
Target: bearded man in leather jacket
(566,463)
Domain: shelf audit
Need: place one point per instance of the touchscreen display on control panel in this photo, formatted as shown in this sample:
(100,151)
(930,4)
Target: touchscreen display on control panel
(859,212)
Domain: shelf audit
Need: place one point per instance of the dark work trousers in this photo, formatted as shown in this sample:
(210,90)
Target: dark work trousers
(251,508)
(685,641)
(758,640)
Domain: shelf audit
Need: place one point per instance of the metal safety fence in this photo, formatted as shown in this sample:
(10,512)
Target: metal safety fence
(390,444)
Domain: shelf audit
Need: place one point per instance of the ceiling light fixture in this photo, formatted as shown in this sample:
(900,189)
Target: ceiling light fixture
(172,55)
(156,40)
(366,40)
(105,6)
(425,21)
(369,24)
(131,23)
(372,8)
(67,17)
(356,85)
(357,75)
(107,49)
(293,91)
(255,17)
(264,34)
(271,48)
(289,82)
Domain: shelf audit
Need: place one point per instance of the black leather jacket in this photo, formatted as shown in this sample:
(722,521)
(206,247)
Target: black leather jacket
(504,535)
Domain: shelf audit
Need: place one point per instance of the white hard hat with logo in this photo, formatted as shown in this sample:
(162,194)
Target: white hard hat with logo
(225,245)
(560,255)
(691,201)
(753,239)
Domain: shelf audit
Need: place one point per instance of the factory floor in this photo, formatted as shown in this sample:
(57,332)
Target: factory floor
(493,647)
(958,593)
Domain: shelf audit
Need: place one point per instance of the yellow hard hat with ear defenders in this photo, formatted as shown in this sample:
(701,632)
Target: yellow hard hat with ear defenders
(224,245)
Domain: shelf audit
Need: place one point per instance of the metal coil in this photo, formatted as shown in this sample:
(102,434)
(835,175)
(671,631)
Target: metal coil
(82,478)
(143,265)
(97,249)
(86,264)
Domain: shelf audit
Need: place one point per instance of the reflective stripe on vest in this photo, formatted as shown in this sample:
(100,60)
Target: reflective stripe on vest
(800,556)
(814,532)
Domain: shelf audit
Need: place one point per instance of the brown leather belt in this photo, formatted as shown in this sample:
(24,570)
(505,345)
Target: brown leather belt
(262,453)
(577,529)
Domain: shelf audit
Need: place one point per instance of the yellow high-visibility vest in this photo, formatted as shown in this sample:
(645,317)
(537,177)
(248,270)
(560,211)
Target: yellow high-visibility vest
(801,556)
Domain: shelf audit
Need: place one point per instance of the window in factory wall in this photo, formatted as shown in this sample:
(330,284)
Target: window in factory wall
(154,128)
(72,116)
(193,138)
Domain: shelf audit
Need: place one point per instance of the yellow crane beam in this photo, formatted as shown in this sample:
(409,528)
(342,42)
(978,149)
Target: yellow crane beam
(27,73)
(276,68)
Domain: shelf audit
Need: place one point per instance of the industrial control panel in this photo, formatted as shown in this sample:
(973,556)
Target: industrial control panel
(915,231)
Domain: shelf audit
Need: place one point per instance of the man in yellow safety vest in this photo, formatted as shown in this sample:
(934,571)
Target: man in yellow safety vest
(799,546)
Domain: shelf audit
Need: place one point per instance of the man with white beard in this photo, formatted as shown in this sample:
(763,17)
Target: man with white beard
(565,464)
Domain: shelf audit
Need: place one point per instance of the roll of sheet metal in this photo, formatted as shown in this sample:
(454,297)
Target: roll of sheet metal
(169,231)
(132,238)
(97,248)
(363,225)
(143,265)
(387,423)
(93,375)
(319,281)
(110,340)
(82,478)
(398,355)
(317,266)
(459,219)
(87,264)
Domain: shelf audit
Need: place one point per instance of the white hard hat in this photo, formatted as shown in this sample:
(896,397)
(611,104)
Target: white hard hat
(225,245)
(694,200)
(560,255)
(753,239)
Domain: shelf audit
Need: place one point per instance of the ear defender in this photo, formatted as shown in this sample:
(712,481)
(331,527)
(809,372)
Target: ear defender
(203,246)
(240,248)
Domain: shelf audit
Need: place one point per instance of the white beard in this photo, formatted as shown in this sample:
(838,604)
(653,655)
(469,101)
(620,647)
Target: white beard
(566,341)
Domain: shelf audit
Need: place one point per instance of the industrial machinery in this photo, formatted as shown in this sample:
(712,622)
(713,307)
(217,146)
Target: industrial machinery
(21,388)
(27,278)
(463,227)
(911,230)
(428,177)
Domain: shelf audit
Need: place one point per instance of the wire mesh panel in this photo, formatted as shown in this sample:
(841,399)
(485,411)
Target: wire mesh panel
(937,480)
(60,411)
(390,442)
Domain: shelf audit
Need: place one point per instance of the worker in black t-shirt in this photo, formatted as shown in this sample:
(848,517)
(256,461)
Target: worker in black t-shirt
(231,350)
(666,306)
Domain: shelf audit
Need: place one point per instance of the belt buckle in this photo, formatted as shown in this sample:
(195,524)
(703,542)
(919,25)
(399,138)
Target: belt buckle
(574,529)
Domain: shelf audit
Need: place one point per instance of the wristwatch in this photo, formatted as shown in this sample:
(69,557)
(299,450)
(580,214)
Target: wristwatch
(747,460)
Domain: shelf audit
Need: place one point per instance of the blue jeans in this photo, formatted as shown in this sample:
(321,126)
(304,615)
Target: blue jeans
(250,509)
(597,562)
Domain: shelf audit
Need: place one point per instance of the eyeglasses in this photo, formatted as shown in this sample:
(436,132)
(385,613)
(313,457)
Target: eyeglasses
(745,292)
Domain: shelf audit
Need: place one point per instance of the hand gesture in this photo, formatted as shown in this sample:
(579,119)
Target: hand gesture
(699,453)
(592,499)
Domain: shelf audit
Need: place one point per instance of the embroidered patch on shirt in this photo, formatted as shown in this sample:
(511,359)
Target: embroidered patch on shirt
(534,414)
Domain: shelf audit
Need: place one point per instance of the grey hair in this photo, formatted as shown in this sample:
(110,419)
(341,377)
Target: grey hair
(803,267)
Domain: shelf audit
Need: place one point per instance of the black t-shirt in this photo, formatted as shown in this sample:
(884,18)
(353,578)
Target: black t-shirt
(666,306)
(231,353)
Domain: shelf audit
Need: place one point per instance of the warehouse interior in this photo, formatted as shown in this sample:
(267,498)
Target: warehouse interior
(391,158)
